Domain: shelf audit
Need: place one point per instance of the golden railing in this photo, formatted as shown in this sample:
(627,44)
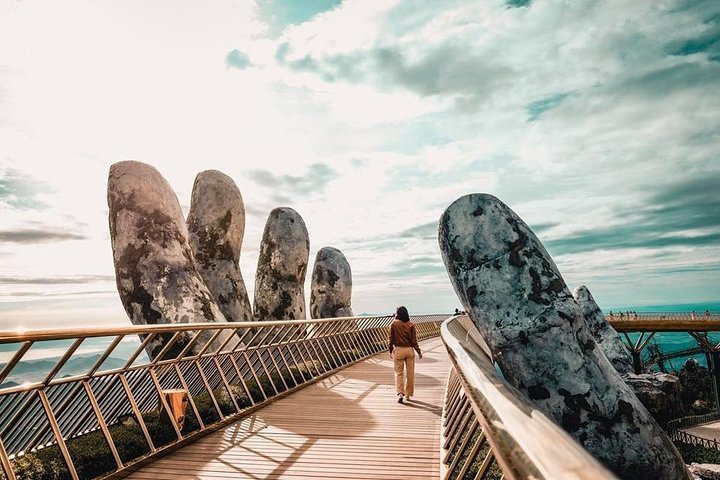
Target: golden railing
(491,431)
(79,425)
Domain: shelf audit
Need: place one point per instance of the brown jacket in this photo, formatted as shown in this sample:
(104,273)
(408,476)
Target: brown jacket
(403,334)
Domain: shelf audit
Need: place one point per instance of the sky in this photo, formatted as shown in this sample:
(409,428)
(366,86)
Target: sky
(598,122)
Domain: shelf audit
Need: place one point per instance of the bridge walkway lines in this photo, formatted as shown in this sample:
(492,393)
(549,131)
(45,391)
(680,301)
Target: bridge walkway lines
(348,425)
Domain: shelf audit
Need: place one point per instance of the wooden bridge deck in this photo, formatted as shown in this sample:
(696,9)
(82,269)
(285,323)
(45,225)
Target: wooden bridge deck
(345,426)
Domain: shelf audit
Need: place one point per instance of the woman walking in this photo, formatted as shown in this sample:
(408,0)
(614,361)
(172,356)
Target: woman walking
(403,345)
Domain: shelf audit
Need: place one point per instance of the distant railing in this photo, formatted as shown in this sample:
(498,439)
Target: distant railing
(112,413)
(674,430)
(685,437)
(490,431)
(692,420)
(662,316)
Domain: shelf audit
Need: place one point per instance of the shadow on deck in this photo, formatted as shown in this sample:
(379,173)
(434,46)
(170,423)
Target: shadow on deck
(345,426)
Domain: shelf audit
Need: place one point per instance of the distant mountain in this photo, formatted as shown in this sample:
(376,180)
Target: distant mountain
(36,370)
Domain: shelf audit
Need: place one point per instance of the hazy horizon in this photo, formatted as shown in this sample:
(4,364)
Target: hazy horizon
(597,122)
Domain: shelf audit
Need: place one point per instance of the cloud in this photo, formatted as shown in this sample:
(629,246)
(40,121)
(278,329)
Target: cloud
(315,180)
(536,109)
(417,267)
(683,214)
(425,231)
(27,236)
(21,191)
(73,280)
(237,59)
(705,39)
(518,3)
(447,69)
(480,55)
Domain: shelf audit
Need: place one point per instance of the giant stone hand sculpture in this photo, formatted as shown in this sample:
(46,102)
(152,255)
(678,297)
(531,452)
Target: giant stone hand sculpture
(605,336)
(154,268)
(519,302)
(661,393)
(282,265)
(216,224)
(331,287)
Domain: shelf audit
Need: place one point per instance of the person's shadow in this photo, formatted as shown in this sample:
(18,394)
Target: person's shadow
(435,409)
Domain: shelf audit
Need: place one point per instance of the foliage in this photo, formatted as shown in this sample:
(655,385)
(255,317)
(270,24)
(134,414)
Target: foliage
(697,454)
(697,392)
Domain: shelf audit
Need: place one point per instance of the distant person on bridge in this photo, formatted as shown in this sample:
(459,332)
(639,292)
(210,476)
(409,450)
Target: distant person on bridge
(403,345)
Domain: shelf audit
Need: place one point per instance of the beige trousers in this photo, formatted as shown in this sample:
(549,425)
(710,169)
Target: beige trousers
(404,359)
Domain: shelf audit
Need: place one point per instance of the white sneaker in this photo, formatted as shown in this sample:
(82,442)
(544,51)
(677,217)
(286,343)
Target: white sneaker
(400,397)
(407,398)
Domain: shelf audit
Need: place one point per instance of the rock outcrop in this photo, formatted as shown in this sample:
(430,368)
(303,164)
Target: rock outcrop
(705,471)
(605,336)
(331,285)
(216,224)
(154,268)
(282,265)
(661,393)
(515,295)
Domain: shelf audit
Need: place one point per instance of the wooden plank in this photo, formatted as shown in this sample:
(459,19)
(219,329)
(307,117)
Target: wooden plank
(348,425)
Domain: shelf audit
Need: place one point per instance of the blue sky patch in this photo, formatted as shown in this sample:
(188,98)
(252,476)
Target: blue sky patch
(279,14)
(536,109)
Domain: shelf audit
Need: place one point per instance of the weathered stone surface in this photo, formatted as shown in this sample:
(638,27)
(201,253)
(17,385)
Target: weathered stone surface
(705,471)
(331,286)
(282,265)
(216,224)
(519,302)
(605,336)
(154,268)
(661,393)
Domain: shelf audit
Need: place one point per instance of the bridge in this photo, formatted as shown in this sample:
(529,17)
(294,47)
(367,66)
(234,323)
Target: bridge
(285,399)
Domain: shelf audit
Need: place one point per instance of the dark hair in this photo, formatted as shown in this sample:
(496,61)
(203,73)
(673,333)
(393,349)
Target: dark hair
(402,314)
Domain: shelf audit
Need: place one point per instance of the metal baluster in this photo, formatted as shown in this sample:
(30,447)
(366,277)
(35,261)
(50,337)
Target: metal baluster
(227,385)
(280,347)
(259,354)
(148,338)
(5,460)
(325,349)
(208,388)
(58,435)
(137,412)
(103,425)
(242,380)
(471,456)
(311,341)
(272,357)
(300,342)
(58,366)
(24,347)
(339,349)
(190,397)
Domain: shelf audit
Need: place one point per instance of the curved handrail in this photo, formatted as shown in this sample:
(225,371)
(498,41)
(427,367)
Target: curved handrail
(221,371)
(523,441)
(22,335)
